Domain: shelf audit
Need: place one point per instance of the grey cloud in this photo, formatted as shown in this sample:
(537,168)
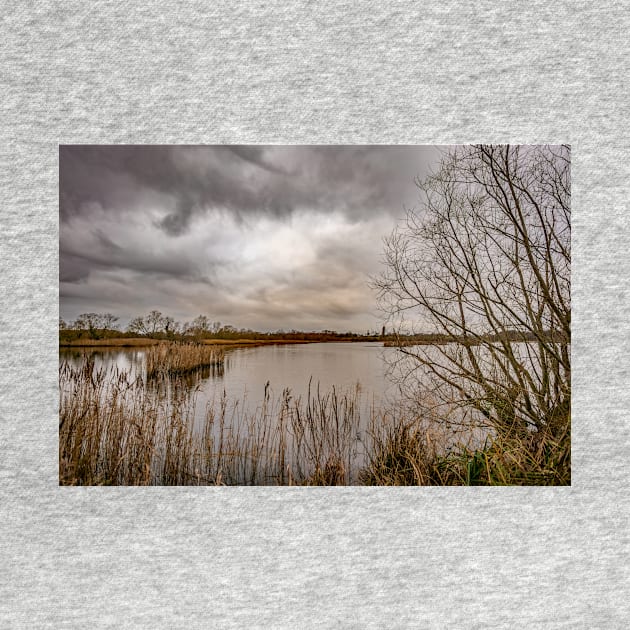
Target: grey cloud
(177,221)
(182,228)
(75,268)
(256,155)
(359,181)
(79,259)
(72,268)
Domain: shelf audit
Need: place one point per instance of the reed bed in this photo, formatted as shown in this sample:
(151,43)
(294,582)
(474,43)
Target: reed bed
(537,459)
(117,429)
(408,453)
(168,359)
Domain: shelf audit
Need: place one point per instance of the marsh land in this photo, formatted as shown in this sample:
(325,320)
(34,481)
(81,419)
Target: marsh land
(266,414)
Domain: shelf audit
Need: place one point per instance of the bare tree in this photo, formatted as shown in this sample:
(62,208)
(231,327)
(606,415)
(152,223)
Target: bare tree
(109,321)
(151,325)
(155,325)
(154,322)
(95,323)
(137,325)
(199,326)
(485,263)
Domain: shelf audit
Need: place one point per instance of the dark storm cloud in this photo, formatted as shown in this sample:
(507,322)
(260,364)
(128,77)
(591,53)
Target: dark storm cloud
(76,267)
(277,234)
(277,181)
(255,155)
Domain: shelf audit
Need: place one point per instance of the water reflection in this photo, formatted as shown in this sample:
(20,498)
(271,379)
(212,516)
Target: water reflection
(248,375)
(248,370)
(271,414)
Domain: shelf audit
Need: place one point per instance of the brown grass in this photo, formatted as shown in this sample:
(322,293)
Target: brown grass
(122,342)
(168,359)
(402,453)
(252,342)
(116,342)
(118,430)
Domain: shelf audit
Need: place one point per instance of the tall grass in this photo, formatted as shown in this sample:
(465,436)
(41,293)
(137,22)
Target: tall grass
(403,453)
(107,427)
(119,429)
(168,359)
(536,459)
(114,430)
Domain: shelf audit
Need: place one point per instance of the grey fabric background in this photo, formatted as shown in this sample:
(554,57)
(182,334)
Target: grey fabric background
(302,72)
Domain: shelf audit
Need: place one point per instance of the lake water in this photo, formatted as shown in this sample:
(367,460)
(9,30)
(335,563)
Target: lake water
(269,404)
(253,391)
(246,371)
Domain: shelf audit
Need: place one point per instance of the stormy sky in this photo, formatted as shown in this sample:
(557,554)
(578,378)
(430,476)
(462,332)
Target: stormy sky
(261,237)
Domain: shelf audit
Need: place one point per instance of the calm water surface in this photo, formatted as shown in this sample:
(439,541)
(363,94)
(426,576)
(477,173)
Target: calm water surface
(247,371)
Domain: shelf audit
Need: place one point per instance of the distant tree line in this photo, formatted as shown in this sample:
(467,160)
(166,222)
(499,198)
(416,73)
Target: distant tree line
(507,336)
(156,325)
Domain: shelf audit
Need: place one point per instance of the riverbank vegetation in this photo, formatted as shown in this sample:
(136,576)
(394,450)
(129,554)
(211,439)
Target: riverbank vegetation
(402,453)
(120,429)
(167,359)
(91,329)
(131,342)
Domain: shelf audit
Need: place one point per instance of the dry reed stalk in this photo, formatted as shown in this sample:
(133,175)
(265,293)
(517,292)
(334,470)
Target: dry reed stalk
(118,430)
(167,359)
(114,430)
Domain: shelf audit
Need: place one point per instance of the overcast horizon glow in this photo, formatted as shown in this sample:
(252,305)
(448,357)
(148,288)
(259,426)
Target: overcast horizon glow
(260,237)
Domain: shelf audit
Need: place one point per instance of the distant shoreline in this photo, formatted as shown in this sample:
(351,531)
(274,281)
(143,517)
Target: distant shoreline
(139,342)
